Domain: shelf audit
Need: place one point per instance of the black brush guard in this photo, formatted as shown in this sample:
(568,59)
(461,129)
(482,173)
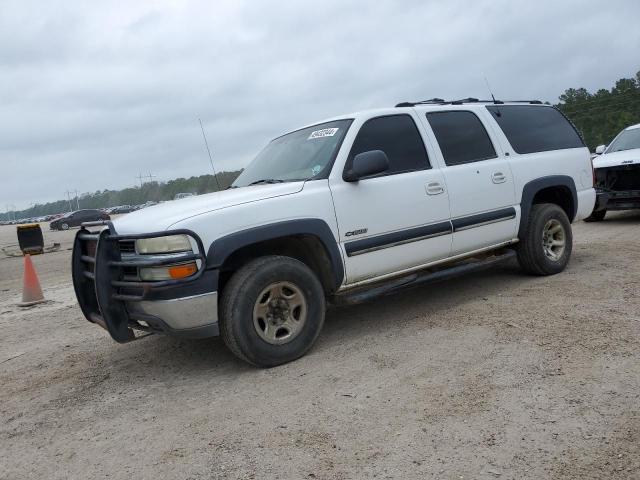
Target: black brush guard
(99,280)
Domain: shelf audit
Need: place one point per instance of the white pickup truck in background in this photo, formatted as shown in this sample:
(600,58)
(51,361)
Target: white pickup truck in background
(617,174)
(341,211)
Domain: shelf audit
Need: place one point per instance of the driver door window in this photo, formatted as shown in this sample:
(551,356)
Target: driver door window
(398,137)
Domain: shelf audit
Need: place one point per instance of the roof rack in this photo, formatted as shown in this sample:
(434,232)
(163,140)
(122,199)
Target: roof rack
(439,101)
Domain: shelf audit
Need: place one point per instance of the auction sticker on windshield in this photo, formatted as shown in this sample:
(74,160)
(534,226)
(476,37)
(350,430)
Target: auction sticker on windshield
(325,132)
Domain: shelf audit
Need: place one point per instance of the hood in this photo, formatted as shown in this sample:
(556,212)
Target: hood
(614,159)
(162,216)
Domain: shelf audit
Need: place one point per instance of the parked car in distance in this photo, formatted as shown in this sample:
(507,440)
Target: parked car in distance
(149,203)
(617,174)
(179,196)
(122,209)
(74,219)
(339,212)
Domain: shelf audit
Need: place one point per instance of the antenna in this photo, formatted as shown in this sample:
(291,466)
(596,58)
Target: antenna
(210,157)
(489,88)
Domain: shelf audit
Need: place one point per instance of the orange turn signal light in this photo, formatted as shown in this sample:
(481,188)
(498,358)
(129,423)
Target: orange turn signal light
(182,271)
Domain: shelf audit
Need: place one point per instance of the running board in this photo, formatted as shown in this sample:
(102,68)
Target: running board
(464,267)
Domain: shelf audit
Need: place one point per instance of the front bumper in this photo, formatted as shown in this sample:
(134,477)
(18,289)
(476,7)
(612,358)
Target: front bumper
(621,199)
(112,297)
(194,316)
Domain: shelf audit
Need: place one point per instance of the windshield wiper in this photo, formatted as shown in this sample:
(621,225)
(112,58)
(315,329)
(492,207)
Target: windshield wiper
(267,180)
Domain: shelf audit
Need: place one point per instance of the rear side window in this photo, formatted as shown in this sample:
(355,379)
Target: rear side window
(532,129)
(398,137)
(461,136)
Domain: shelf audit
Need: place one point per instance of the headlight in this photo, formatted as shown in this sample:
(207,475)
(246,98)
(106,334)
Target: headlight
(168,244)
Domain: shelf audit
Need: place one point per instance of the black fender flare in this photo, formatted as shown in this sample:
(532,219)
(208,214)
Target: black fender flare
(534,186)
(221,248)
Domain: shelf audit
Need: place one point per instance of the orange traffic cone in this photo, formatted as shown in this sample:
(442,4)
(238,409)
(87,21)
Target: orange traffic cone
(31,291)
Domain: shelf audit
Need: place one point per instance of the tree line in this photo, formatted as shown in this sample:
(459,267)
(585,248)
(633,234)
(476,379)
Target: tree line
(150,191)
(600,116)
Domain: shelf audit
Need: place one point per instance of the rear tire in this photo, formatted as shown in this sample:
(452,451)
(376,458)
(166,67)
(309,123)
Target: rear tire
(272,311)
(545,247)
(596,216)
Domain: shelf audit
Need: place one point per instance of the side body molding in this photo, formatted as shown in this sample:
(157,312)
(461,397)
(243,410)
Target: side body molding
(221,248)
(534,186)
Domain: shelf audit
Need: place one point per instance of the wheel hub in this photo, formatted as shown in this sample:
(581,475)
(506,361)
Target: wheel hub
(279,313)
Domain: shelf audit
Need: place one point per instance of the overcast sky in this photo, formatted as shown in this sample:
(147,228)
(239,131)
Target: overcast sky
(94,93)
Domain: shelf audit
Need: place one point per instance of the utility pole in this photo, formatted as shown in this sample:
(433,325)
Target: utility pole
(151,177)
(139,177)
(69,199)
(77,199)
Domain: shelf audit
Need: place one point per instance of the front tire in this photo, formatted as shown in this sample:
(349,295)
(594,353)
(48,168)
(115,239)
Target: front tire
(545,247)
(272,311)
(596,216)
(64,226)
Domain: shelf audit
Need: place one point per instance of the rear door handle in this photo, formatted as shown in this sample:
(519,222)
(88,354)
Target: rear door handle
(498,177)
(434,188)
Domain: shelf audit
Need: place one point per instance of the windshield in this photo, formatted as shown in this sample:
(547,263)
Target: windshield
(300,155)
(627,140)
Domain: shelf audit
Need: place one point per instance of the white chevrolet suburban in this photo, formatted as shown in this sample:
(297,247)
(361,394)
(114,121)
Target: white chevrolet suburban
(617,174)
(338,212)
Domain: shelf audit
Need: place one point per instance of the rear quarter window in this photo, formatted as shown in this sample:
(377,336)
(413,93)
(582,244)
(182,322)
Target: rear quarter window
(531,129)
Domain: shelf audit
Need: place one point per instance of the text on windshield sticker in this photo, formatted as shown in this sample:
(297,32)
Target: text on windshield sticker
(325,132)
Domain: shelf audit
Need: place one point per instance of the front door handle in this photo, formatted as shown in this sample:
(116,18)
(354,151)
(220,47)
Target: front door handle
(498,177)
(434,188)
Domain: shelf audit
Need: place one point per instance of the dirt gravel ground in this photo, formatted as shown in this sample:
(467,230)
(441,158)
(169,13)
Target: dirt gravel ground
(495,375)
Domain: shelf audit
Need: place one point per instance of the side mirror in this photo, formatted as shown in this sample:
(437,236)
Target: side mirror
(600,149)
(366,164)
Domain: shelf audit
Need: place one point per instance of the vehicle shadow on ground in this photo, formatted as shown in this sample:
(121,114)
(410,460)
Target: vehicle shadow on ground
(621,217)
(158,356)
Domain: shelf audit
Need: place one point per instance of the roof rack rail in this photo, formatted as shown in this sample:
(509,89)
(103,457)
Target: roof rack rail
(439,101)
(436,101)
